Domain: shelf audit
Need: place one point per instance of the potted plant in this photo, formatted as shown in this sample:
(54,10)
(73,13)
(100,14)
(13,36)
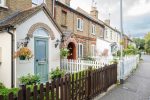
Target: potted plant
(57,73)
(64,52)
(29,79)
(24,53)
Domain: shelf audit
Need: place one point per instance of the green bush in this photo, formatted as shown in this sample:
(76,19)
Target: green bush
(29,79)
(2,85)
(89,58)
(6,91)
(64,52)
(57,73)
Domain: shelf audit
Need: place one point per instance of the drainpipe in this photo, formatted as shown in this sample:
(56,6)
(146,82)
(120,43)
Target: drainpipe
(12,62)
(53,8)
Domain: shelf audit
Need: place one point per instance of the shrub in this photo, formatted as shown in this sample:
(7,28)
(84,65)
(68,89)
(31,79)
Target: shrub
(89,58)
(29,79)
(64,52)
(6,91)
(2,85)
(57,73)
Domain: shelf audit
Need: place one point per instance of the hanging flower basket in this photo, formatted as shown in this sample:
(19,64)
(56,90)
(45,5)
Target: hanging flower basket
(22,57)
(24,53)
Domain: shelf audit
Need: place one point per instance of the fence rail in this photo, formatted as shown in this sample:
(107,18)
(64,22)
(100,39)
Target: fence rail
(128,64)
(73,66)
(78,86)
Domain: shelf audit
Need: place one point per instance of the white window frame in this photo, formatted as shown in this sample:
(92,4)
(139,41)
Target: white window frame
(37,3)
(93,29)
(93,53)
(3,3)
(80,54)
(80,24)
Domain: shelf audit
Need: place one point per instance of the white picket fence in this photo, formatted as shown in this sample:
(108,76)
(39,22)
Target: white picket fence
(73,66)
(129,64)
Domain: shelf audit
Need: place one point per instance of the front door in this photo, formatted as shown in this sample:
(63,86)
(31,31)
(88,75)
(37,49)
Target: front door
(41,58)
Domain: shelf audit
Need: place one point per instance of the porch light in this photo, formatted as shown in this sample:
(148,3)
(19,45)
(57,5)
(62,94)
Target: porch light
(57,43)
(24,42)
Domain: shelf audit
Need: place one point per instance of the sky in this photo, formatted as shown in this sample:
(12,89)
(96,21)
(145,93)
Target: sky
(136,14)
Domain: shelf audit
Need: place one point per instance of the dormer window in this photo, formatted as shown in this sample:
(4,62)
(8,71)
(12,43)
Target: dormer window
(37,2)
(2,3)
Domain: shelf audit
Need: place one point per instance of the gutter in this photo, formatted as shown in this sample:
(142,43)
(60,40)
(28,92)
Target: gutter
(12,61)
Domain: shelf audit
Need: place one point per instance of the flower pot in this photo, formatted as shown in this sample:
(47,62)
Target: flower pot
(22,57)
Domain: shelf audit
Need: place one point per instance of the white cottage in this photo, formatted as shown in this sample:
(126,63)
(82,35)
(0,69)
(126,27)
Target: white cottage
(42,35)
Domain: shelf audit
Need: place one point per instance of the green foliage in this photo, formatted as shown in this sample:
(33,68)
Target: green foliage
(131,50)
(29,79)
(147,43)
(89,58)
(139,43)
(2,85)
(57,73)
(64,52)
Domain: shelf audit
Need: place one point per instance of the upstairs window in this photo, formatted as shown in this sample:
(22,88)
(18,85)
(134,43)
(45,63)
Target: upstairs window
(2,3)
(80,50)
(79,24)
(64,18)
(37,2)
(93,31)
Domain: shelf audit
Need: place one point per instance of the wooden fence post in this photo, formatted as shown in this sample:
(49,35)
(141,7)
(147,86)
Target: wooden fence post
(89,83)
(1,97)
(24,91)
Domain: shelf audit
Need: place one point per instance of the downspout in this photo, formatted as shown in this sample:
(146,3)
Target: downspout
(12,61)
(53,8)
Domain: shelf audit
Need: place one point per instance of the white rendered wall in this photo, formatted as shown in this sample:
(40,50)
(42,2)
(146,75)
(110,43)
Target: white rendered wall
(5,66)
(54,53)
(101,45)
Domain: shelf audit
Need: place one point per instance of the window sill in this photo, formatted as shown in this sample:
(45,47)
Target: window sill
(93,34)
(64,26)
(5,7)
(80,30)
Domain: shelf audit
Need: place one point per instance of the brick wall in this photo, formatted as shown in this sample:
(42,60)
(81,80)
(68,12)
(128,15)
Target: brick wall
(14,6)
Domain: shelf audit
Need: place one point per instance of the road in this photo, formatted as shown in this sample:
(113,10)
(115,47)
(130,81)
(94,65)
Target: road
(136,87)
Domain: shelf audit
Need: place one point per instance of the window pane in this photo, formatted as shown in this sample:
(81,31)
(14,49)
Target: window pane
(38,1)
(80,50)
(40,32)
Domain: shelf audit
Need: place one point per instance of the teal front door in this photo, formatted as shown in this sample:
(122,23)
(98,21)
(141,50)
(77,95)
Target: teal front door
(41,58)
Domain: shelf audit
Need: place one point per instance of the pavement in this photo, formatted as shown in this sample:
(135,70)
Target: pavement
(136,87)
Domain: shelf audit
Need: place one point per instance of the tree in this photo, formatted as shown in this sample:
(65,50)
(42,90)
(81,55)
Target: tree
(139,43)
(147,42)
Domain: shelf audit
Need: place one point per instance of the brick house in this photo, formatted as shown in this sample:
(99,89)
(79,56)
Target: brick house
(79,28)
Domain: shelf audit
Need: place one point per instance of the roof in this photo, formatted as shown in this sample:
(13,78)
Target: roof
(100,21)
(21,16)
(80,13)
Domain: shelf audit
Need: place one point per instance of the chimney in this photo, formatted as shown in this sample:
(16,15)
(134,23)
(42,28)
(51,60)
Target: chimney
(94,12)
(107,21)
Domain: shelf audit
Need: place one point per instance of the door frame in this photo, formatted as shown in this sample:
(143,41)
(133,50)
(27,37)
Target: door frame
(46,39)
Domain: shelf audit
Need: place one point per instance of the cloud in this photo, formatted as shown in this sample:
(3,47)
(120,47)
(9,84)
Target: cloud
(136,13)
